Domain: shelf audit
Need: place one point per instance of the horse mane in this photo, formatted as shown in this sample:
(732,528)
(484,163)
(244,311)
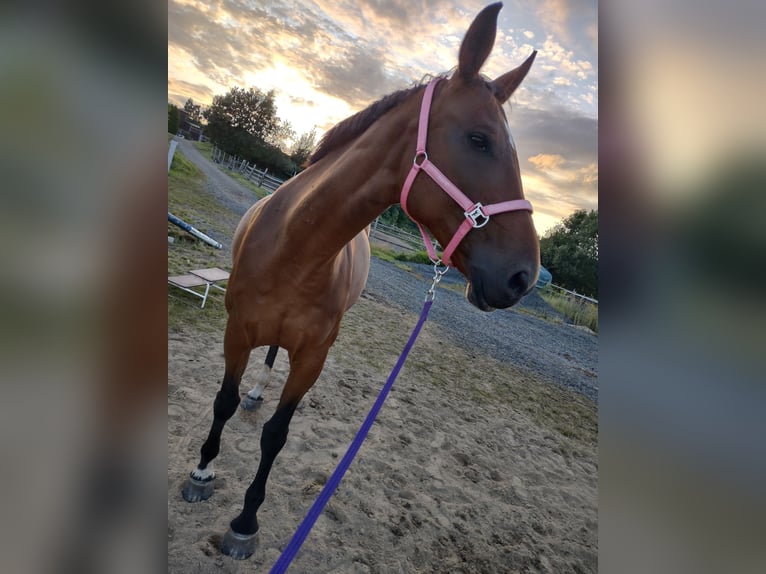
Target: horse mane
(354,126)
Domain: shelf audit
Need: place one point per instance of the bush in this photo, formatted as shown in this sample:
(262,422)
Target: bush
(174,119)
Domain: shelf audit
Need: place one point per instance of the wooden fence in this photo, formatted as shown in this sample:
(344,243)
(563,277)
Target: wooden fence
(261,178)
(574,295)
(396,237)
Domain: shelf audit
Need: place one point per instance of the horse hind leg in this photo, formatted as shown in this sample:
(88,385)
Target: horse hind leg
(254,398)
(199,485)
(240,540)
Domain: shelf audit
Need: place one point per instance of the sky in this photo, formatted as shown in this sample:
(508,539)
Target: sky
(328,59)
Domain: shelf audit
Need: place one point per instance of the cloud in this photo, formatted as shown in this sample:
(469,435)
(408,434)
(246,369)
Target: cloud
(558,169)
(554,14)
(558,155)
(302,101)
(329,53)
(547,161)
(179,91)
(357,78)
(564,61)
(555,131)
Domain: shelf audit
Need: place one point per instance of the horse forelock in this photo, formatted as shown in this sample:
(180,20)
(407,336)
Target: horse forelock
(354,126)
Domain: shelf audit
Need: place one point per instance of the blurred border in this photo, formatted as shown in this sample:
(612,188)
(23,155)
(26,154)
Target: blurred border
(83,355)
(683,252)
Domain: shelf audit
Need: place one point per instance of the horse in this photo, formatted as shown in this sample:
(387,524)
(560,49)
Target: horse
(301,255)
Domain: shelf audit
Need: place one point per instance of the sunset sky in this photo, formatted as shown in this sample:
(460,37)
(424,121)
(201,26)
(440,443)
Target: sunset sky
(328,59)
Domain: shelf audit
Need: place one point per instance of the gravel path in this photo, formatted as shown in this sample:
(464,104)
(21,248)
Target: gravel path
(232,194)
(556,352)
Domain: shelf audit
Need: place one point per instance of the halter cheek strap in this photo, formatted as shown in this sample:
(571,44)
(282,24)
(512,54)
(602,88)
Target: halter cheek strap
(476,214)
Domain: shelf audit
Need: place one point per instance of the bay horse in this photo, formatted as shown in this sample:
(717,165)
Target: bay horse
(301,255)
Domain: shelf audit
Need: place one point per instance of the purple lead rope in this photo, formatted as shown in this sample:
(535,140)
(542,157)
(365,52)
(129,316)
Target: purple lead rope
(280,566)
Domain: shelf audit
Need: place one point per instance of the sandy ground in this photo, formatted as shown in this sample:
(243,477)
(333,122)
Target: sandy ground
(451,479)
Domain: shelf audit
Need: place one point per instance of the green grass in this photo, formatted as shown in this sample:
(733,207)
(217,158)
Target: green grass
(258,191)
(183,168)
(205,147)
(417,257)
(579,311)
(188,199)
(392,256)
(382,253)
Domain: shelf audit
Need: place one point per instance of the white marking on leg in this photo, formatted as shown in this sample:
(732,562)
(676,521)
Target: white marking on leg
(203,473)
(261,382)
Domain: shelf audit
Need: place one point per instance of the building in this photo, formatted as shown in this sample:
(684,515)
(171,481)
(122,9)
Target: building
(188,129)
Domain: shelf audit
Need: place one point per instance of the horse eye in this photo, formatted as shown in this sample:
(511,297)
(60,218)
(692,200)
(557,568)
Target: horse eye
(479,141)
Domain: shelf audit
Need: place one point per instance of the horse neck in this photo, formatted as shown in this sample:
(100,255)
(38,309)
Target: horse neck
(354,184)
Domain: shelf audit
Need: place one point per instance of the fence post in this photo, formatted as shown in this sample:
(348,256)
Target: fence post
(171,152)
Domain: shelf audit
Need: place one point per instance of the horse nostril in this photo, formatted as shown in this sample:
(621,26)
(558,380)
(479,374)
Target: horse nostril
(519,282)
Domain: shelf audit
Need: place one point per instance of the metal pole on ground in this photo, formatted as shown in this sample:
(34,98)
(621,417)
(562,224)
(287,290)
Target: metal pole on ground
(194,231)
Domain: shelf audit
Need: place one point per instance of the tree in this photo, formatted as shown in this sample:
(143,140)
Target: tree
(281,135)
(244,123)
(174,119)
(303,146)
(239,111)
(570,252)
(395,216)
(193,111)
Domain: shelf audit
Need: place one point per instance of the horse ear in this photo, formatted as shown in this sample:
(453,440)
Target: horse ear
(506,84)
(478,42)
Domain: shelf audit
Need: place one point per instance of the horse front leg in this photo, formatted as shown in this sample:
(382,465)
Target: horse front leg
(199,485)
(240,540)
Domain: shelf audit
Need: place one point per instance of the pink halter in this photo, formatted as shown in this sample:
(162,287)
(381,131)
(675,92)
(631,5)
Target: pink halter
(476,214)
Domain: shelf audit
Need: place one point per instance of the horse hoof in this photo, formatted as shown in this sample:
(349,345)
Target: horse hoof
(197,490)
(238,546)
(250,404)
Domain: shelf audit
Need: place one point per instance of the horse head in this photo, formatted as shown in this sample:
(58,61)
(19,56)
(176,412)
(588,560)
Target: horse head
(469,141)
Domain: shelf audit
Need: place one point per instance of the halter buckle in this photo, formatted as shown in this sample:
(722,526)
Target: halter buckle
(422,156)
(476,216)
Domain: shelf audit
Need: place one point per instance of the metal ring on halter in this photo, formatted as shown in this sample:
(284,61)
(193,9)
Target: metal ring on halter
(438,274)
(421,154)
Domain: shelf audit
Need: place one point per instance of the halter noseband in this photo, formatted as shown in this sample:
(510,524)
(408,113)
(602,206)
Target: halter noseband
(476,214)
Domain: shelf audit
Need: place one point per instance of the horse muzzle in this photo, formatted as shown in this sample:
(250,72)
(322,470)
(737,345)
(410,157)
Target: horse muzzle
(488,291)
